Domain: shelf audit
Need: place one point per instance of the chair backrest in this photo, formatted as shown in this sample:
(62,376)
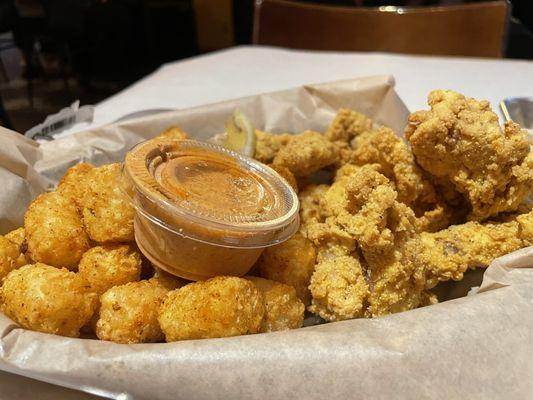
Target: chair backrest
(475,29)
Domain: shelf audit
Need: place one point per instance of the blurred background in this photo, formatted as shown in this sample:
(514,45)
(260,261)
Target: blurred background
(53,52)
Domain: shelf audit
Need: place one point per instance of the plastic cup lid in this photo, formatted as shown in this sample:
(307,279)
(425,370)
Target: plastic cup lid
(209,193)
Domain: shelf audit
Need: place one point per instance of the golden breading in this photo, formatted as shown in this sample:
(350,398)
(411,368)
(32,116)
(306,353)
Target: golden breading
(292,263)
(47,299)
(107,212)
(347,124)
(339,288)
(9,254)
(110,265)
(310,205)
(449,253)
(365,209)
(73,183)
(18,236)
(283,310)
(219,307)
(268,145)
(54,231)
(168,281)
(306,153)
(287,175)
(174,132)
(460,142)
(128,313)
(397,163)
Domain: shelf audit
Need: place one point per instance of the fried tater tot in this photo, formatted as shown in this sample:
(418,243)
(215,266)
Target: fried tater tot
(306,153)
(47,299)
(219,307)
(168,281)
(268,145)
(283,310)
(54,231)
(107,213)
(128,313)
(18,236)
(9,254)
(292,263)
(73,183)
(110,265)
(174,132)
(287,175)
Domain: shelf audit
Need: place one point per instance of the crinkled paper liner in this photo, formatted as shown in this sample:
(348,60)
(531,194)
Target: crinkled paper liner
(476,347)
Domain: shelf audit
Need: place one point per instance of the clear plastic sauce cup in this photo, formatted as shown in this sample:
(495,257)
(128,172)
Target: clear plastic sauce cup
(203,210)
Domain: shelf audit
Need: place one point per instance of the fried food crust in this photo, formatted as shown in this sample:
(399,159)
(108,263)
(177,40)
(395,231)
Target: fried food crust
(219,307)
(9,256)
(292,263)
(54,231)
(310,198)
(107,213)
(460,141)
(73,184)
(128,313)
(339,288)
(47,299)
(306,153)
(449,253)
(287,175)
(174,132)
(110,265)
(268,145)
(283,309)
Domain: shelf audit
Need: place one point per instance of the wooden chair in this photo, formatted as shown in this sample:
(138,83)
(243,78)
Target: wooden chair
(475,29)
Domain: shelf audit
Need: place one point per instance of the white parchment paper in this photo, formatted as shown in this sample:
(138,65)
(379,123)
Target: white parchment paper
(475,347)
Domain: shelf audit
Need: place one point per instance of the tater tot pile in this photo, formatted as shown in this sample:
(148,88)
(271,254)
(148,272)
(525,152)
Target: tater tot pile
(382,222)
(47,299)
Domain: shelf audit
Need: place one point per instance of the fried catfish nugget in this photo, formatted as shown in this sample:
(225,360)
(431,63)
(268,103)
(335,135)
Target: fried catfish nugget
(219,307)
(449,253)
(268,145)
(366,209)
(292,263)
(107,213)
(110,265)
(47,299)
(128,313)
(306,153)
(460,142)
(346,125)
(310,198)
(72,185)
(382,146)
(338,286)
(283,310)
(174,132)
(54,231)
(287,175)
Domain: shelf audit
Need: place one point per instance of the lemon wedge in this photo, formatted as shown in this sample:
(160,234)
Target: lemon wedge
(239,134)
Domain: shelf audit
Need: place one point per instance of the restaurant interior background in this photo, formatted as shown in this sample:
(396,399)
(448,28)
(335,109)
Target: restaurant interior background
(53,52)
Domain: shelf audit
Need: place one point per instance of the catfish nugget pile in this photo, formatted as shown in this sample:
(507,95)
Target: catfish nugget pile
(383,221)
